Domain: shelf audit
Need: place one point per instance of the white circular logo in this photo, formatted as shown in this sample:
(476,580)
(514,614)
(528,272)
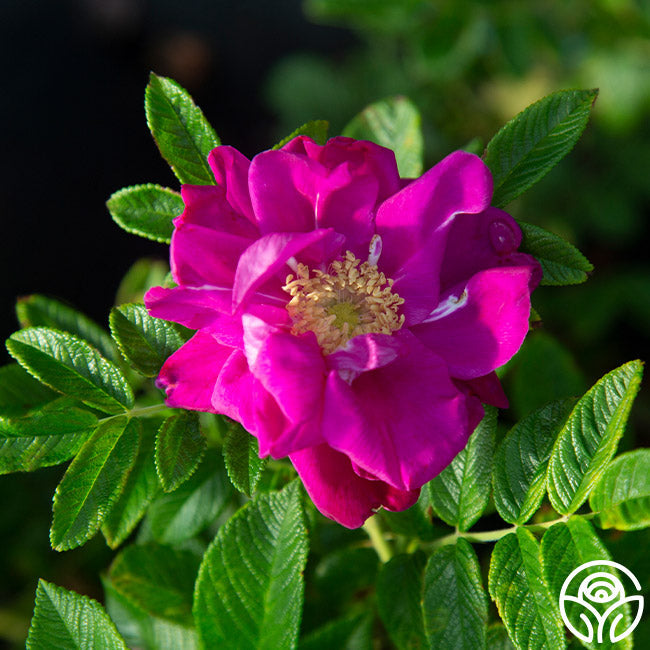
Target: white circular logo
(599,599)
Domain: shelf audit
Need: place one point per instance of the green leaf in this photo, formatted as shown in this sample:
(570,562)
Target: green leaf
(39,311)
(316,130)
(93,482)
(561,262)
(33,452)
(183,135)
(413,522)
(590,436)
(349,633)
(498,639)
(142,276)
(520,462)
(180,445)
(66,620)
(525,603)
(622,496)
(146,210)
(534,141)
(157,579)
(565,547)
(393,123)
(20,392)
(260,603)
(460,493)
(178,516)
(399,600)
(139,490)
(56,419)
(454,602)
(145,341)
(71,366)
(241,455)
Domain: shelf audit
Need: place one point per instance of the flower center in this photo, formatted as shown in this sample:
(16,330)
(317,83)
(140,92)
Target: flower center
(353,298)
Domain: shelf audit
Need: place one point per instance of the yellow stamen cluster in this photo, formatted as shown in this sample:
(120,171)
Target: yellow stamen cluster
(353,298)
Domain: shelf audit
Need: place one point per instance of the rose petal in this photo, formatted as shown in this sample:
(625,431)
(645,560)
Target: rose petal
(230,169)
(487,388)
(363,353)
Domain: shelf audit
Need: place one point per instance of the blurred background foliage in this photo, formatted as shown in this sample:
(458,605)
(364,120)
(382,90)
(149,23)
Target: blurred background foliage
(74,132)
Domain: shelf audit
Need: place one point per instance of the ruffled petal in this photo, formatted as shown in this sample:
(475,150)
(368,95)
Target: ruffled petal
(230,169)
(341,494)
(487,388)
(478,327)
(193,307)
(363,353)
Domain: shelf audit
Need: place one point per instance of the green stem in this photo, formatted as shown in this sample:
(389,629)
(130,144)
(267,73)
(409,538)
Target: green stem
(139,411)
(379,543)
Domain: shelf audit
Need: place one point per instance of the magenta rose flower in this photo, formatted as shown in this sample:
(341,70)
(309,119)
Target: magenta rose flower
(349,319)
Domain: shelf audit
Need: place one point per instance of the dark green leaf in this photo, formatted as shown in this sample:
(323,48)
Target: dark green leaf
(145,341)
(141,277)
(561,262)
(183,135)
(414,522)
(590,436)
(20,392)
(393,123)
(146,210)
(72,367)
(93,482)
(180,445)
(260,603)
(243,463)
(39,311)
(33,452)
(350,633)
(498,639)
(460,493)
(454,602)
(64,620)
(519,473)
(316,130)
(399,600)
(524,600)
(622,496)
(55,419)
(534,141)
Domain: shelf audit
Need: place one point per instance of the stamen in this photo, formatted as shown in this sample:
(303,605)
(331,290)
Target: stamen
(352,298)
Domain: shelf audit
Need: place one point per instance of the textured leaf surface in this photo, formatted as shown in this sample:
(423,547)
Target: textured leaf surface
(33,452)
(534,141)
(454,601)
(183,135)
(393,123)
(145,341)
(158,579)
(20,392)
(350,633)
(399,600)
(49,422)
(93,482)
(590,436)
(523,598)
(39,311)
(64,620)
(460,493)
(72,367)
(180,445)
(520,462)
(241,455)
(316,130)
(561,262)
(250,585)
(622,496)
(146,210)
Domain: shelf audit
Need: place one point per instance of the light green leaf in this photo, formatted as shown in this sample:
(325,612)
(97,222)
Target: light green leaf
(139,490)
(260,603)
(157,579)
(180,445)
(590,436)
(183,135)
(561,262)
(93,482)
(519,472)
(241,455)
(349,633)
(399,600)
(454,602)
(393,123)
(39,311)
(146,210)
(71,366)
(33,452)
(142,276)
(316,130)
(64,620)
(145,341)
(460,493)
(533,142)
(20,392)
(622,496)
(524,600)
